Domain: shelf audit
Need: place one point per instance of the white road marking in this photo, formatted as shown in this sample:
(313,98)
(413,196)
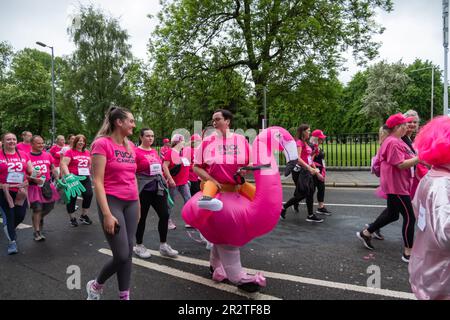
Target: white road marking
(288,277)
(195,278)
(349,205)
(20,226)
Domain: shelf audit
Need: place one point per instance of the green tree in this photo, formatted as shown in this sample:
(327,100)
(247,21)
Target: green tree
(100,62)
(268,41)
(417,95)
(384,82)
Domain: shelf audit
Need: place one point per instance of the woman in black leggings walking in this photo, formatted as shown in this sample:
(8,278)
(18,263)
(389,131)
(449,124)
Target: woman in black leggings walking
(152,192)
(396,173)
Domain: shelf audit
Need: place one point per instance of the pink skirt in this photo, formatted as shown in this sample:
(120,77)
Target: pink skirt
(35,194)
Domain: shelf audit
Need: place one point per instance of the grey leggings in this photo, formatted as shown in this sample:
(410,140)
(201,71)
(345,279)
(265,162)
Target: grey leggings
(126,212)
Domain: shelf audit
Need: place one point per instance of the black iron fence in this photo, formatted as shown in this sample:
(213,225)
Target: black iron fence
(353,151)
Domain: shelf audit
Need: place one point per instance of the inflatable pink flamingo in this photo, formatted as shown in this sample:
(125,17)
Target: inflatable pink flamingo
(240,219)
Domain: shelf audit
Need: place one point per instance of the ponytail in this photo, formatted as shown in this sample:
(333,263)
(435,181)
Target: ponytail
(109,123)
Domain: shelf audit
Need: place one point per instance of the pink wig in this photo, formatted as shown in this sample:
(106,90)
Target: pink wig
(433,141)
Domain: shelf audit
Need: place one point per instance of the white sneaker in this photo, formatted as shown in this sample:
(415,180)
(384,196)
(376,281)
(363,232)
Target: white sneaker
(167,251)
(92,293)
(210,204)
(141,251)
(171,225)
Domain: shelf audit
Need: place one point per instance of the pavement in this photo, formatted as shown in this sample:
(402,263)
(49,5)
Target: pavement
(342,178)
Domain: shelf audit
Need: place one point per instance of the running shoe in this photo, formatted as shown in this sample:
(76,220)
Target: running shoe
(141,251)
(405,257)
(365,240)
(12,247)
(92,293)
(37,236)
(314,218)
(73,222)
(167,251)
(171,225)
(209,203)
(323,211)
(85,219)
(376,234)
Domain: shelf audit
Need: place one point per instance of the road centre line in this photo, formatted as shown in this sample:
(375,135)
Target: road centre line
(292,278)
(195,278)
(349,205)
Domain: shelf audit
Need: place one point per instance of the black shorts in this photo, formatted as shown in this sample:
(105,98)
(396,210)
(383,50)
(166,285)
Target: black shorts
(42,207)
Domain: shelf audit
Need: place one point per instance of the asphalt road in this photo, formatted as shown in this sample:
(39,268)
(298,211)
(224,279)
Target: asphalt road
(300,260)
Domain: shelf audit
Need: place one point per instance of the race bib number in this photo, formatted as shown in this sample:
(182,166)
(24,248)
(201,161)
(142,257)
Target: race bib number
(83,171)
(15,177)
(422,220)
(155,169)
(185,162)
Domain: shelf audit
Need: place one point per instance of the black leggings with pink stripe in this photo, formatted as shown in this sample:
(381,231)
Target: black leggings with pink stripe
(397,204)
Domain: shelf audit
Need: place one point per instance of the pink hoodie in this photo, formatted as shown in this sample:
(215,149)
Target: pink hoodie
(429,265)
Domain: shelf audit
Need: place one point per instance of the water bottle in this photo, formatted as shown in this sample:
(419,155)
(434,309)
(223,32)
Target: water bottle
(35,171)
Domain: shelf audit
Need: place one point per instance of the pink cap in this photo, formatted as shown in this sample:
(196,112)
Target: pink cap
(165,140)
(196,137)
(397,119)
(319,134)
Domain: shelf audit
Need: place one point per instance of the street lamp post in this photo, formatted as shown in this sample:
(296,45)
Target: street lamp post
(53,89)
(432,87)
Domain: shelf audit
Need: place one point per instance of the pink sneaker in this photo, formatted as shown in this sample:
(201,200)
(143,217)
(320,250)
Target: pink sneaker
(171,225)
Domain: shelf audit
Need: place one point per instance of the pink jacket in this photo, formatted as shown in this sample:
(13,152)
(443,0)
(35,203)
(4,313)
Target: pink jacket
(429,265)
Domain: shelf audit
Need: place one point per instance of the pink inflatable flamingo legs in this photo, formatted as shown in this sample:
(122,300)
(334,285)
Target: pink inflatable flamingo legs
(226,262)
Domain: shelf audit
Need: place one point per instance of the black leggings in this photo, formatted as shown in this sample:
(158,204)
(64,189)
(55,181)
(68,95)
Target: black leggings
(397,204)
(320,185)
(87,196)
(126,212)
(299,197)
(194,187)
(159,203)
(14,216)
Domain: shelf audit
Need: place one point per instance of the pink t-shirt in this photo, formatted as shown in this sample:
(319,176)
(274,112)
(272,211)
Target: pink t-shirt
(174,158)
(25,148)
(148,162)
(163,151)
(80,162)
(120,170)
(44,161)
(393,180)
(306,154)
(55,151)
(222,156)
(190,152)
(12,164)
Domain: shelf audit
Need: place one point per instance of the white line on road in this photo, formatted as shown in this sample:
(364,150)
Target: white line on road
(20,226)
(316,282)
(194,278)
(350,205)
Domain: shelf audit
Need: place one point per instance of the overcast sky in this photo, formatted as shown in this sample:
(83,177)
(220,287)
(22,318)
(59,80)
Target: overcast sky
(413,29)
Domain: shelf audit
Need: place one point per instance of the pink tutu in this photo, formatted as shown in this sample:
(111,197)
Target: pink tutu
(35,194)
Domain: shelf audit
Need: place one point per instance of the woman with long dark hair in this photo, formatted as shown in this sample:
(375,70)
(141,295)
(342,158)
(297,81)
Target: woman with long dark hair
(303,175)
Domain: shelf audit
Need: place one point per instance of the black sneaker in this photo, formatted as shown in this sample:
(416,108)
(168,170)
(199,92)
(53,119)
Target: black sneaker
(376,234)
(296,207)
(283,213)
(405,257)
(365,239)
(73,222)
(314,218)
(249,287)
(85,219)
(323,211)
